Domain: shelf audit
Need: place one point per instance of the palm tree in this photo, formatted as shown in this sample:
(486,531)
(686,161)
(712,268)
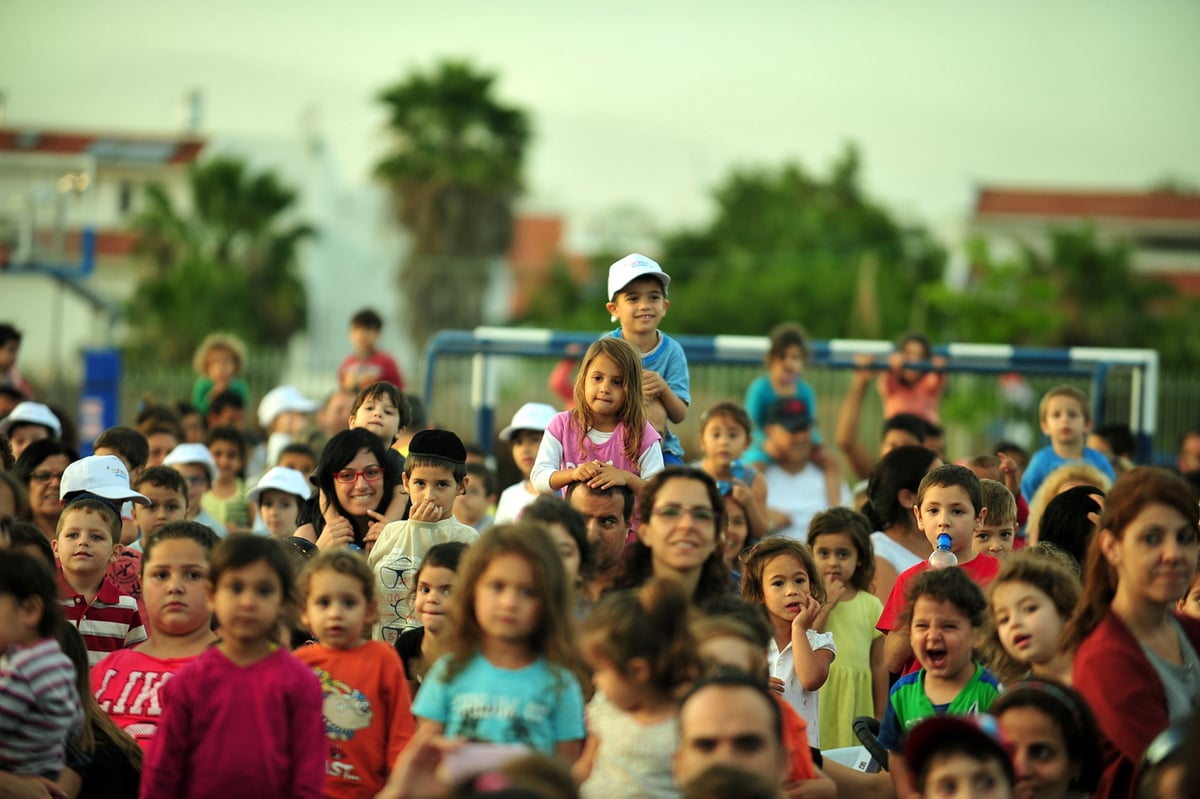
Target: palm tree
(231,264)
(454,170)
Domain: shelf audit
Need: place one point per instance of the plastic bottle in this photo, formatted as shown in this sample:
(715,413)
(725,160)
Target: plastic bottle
(942,556)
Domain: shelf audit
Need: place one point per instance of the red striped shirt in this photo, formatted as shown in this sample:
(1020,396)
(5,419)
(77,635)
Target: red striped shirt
(109,623)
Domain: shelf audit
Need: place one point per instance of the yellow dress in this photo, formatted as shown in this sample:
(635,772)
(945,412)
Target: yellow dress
(848,693)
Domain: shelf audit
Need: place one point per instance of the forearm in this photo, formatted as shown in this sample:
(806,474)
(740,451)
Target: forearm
(812,668)
(897,651)
(676,408)
(879,678)
(822,619)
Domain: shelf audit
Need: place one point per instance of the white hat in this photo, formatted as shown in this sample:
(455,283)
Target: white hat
(32,413)
(193,453)
(280,478)
(530,416)
(283,399)
(630,268)
(102,475)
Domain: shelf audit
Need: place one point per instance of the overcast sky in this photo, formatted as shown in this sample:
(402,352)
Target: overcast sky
(650,104)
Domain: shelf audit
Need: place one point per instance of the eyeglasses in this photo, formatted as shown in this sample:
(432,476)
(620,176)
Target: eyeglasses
(45,476)
(671,513)
(370,474)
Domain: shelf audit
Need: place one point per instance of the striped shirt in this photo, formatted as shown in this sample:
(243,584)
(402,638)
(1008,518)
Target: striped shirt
(110,623)
(39,708)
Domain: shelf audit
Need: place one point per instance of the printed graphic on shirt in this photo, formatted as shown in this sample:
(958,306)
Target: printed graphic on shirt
(133,700)
(512,714)
(346,711)
(396,573)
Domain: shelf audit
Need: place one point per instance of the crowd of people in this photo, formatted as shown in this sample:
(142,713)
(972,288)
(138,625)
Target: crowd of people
(339,601)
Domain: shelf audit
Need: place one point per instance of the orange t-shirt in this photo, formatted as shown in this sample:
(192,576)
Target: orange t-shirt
(795,738)
(368,714)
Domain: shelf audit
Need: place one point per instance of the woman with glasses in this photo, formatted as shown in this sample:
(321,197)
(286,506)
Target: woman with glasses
(680,534)
(353,490)
(40,469)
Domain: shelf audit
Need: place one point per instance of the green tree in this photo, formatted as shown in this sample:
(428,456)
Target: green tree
(229,264)
(454,170)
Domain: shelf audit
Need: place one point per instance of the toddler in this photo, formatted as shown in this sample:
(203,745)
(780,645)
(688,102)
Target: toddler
(606,440)
(786,354)
(368,717)
(29,422)
(840,541)
(218,363)
(524,434)
(957,757)
(641,654)
(1065,417)
(1031,601)
(944,611)
(40,708)
(725,432)
(781,576)
(367,364)
(243,718)
(283,413)
(226,501)
(278,497)
(195,463)
(996,536)
(471,507)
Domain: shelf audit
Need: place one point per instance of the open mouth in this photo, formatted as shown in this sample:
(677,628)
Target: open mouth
(1022,641)
(936,658)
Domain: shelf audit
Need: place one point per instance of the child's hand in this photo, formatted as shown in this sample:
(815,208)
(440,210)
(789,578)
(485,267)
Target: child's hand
(895,361)
(741,493)
(775,684)
(833,589)
(864,360)
(338,531)
(586,471)
(809,608)
(939,361)
(608,476)
(427,511)
(652,384)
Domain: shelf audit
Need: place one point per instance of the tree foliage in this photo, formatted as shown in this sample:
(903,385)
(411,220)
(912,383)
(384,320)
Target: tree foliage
(228,264)
(454,168)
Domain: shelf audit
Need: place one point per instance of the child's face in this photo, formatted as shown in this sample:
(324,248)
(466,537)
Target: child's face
(18,621)
(525,445)
(568,549)
(625,691)
(1064,421)
(994,539)
(604,389)
(786,583)
(508,607)
(117,455)
(9,351)
(723,441)
(913,351)
(941,637)
(785,369)
(84,545)
(193,427)
(836,557)
(433,597)
(1189,603)
(166,505)
(896,437)
(290,423)
(734,652)
(336,611)
(948,509)
(379,415)
(161,445)
(280,512)
(196,477)
(364,339)
(21,436)
(360,494)
(1040,755)
(640,306)
(433,484)
(248,603)
(472,505)
(298,461)
(736,530)
(174,587)
(221,366)
(1027,622)
(228,457)
(959,776)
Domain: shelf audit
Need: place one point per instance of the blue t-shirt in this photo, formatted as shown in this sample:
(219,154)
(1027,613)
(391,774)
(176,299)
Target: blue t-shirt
(1045,461)
(760,396)
(671,364)
(538,705)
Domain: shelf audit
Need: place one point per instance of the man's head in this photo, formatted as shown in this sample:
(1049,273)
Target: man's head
(608,512)
(729,718)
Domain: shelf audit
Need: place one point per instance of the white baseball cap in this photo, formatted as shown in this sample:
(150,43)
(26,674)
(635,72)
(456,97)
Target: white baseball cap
(280,478)
(630,268)
(193,453)
(32,413)
(283,399)
(102,475)
(530,416)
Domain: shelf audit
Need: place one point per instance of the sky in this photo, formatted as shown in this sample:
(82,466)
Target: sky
(648,105)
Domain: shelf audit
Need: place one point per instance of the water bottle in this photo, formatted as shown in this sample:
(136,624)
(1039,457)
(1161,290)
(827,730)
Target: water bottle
(942,556)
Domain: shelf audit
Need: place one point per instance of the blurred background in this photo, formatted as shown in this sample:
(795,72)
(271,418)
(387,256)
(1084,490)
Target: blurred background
(1022,173)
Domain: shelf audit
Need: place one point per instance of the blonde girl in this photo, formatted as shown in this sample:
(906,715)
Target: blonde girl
(780,575)
(218,363)
(1031,601)
(641,654)
(367,708)
(244,718)
(506,677)
(840,542)
(606,440)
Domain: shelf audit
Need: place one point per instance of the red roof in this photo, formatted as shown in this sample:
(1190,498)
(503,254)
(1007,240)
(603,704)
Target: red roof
(1162,205)
(106,147)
